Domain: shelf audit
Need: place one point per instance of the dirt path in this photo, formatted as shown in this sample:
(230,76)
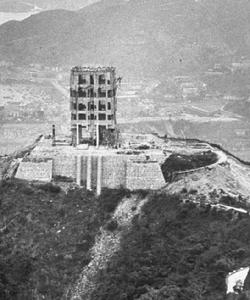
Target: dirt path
(106,245)
(234,276)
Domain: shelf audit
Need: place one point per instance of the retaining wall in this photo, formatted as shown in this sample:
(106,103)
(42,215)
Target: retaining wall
(64,166)
(97,172)
(40,171)
(144,175)
(114,171)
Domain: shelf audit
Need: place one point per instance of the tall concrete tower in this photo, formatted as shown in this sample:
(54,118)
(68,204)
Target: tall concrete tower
(93,105)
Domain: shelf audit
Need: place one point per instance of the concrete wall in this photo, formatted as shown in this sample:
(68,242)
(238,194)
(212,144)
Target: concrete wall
(40,171)
(64,166)
(84,170)
(93,172)
(108,171)
(144,175)
(114,171)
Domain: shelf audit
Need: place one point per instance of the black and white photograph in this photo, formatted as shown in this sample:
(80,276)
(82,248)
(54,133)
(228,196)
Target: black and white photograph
(124,149)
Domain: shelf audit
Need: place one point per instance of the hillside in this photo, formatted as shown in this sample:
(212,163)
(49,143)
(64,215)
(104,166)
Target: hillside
(46,236)
(15,6)
(178,36)
(140,245)
(176,251)
(240,107)
(25,6)
(171,251)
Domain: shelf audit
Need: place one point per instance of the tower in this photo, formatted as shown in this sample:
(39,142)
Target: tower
(93,105)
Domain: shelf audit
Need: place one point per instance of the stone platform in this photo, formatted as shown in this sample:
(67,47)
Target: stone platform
(95,168)
(40,171)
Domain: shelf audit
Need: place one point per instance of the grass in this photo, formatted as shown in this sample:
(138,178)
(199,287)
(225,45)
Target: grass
(46,237)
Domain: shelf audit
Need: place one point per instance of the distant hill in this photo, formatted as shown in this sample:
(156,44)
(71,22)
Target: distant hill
(15,6)
(25,6)
(142,37)
(239,107)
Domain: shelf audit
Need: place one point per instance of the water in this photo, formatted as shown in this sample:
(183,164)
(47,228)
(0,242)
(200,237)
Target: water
(6,16)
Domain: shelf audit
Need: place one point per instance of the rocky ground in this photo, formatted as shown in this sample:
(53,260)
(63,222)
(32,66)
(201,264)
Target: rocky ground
(230,178)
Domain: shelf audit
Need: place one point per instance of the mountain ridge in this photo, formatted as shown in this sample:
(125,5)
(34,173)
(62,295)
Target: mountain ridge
(20,6)
(170,37)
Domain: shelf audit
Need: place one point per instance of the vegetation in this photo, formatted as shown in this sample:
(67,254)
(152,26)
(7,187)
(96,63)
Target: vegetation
(173,250)
(176,251)
(46,235)
(239,202)
(181,162)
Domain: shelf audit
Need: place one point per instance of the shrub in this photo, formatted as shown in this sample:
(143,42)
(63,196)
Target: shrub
(7,184)
(109,199)
(228,200)
(47,240)
(175,250)
(143,147)
(180,162)
(184,191)
(49,187)
(142,193)
(27,190)
(111,225)
(63,178)
(193,191)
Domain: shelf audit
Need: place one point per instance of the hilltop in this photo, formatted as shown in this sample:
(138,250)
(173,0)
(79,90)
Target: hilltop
(171,37)
(58,242)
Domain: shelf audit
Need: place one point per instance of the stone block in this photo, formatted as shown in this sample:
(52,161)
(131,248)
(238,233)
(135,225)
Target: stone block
(64,166)
(35,171)
(114,171)
(144,175)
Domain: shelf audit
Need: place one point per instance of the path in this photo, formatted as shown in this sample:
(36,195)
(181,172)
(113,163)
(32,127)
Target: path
(233,277)
(106,245)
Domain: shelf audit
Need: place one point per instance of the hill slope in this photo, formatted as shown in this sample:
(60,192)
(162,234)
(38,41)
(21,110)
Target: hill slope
(46,236)
(154,246)
(176,251)
(142,36)
(21,6)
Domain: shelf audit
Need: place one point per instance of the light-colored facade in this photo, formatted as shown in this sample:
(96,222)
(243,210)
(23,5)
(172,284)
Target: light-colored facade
(93,104)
